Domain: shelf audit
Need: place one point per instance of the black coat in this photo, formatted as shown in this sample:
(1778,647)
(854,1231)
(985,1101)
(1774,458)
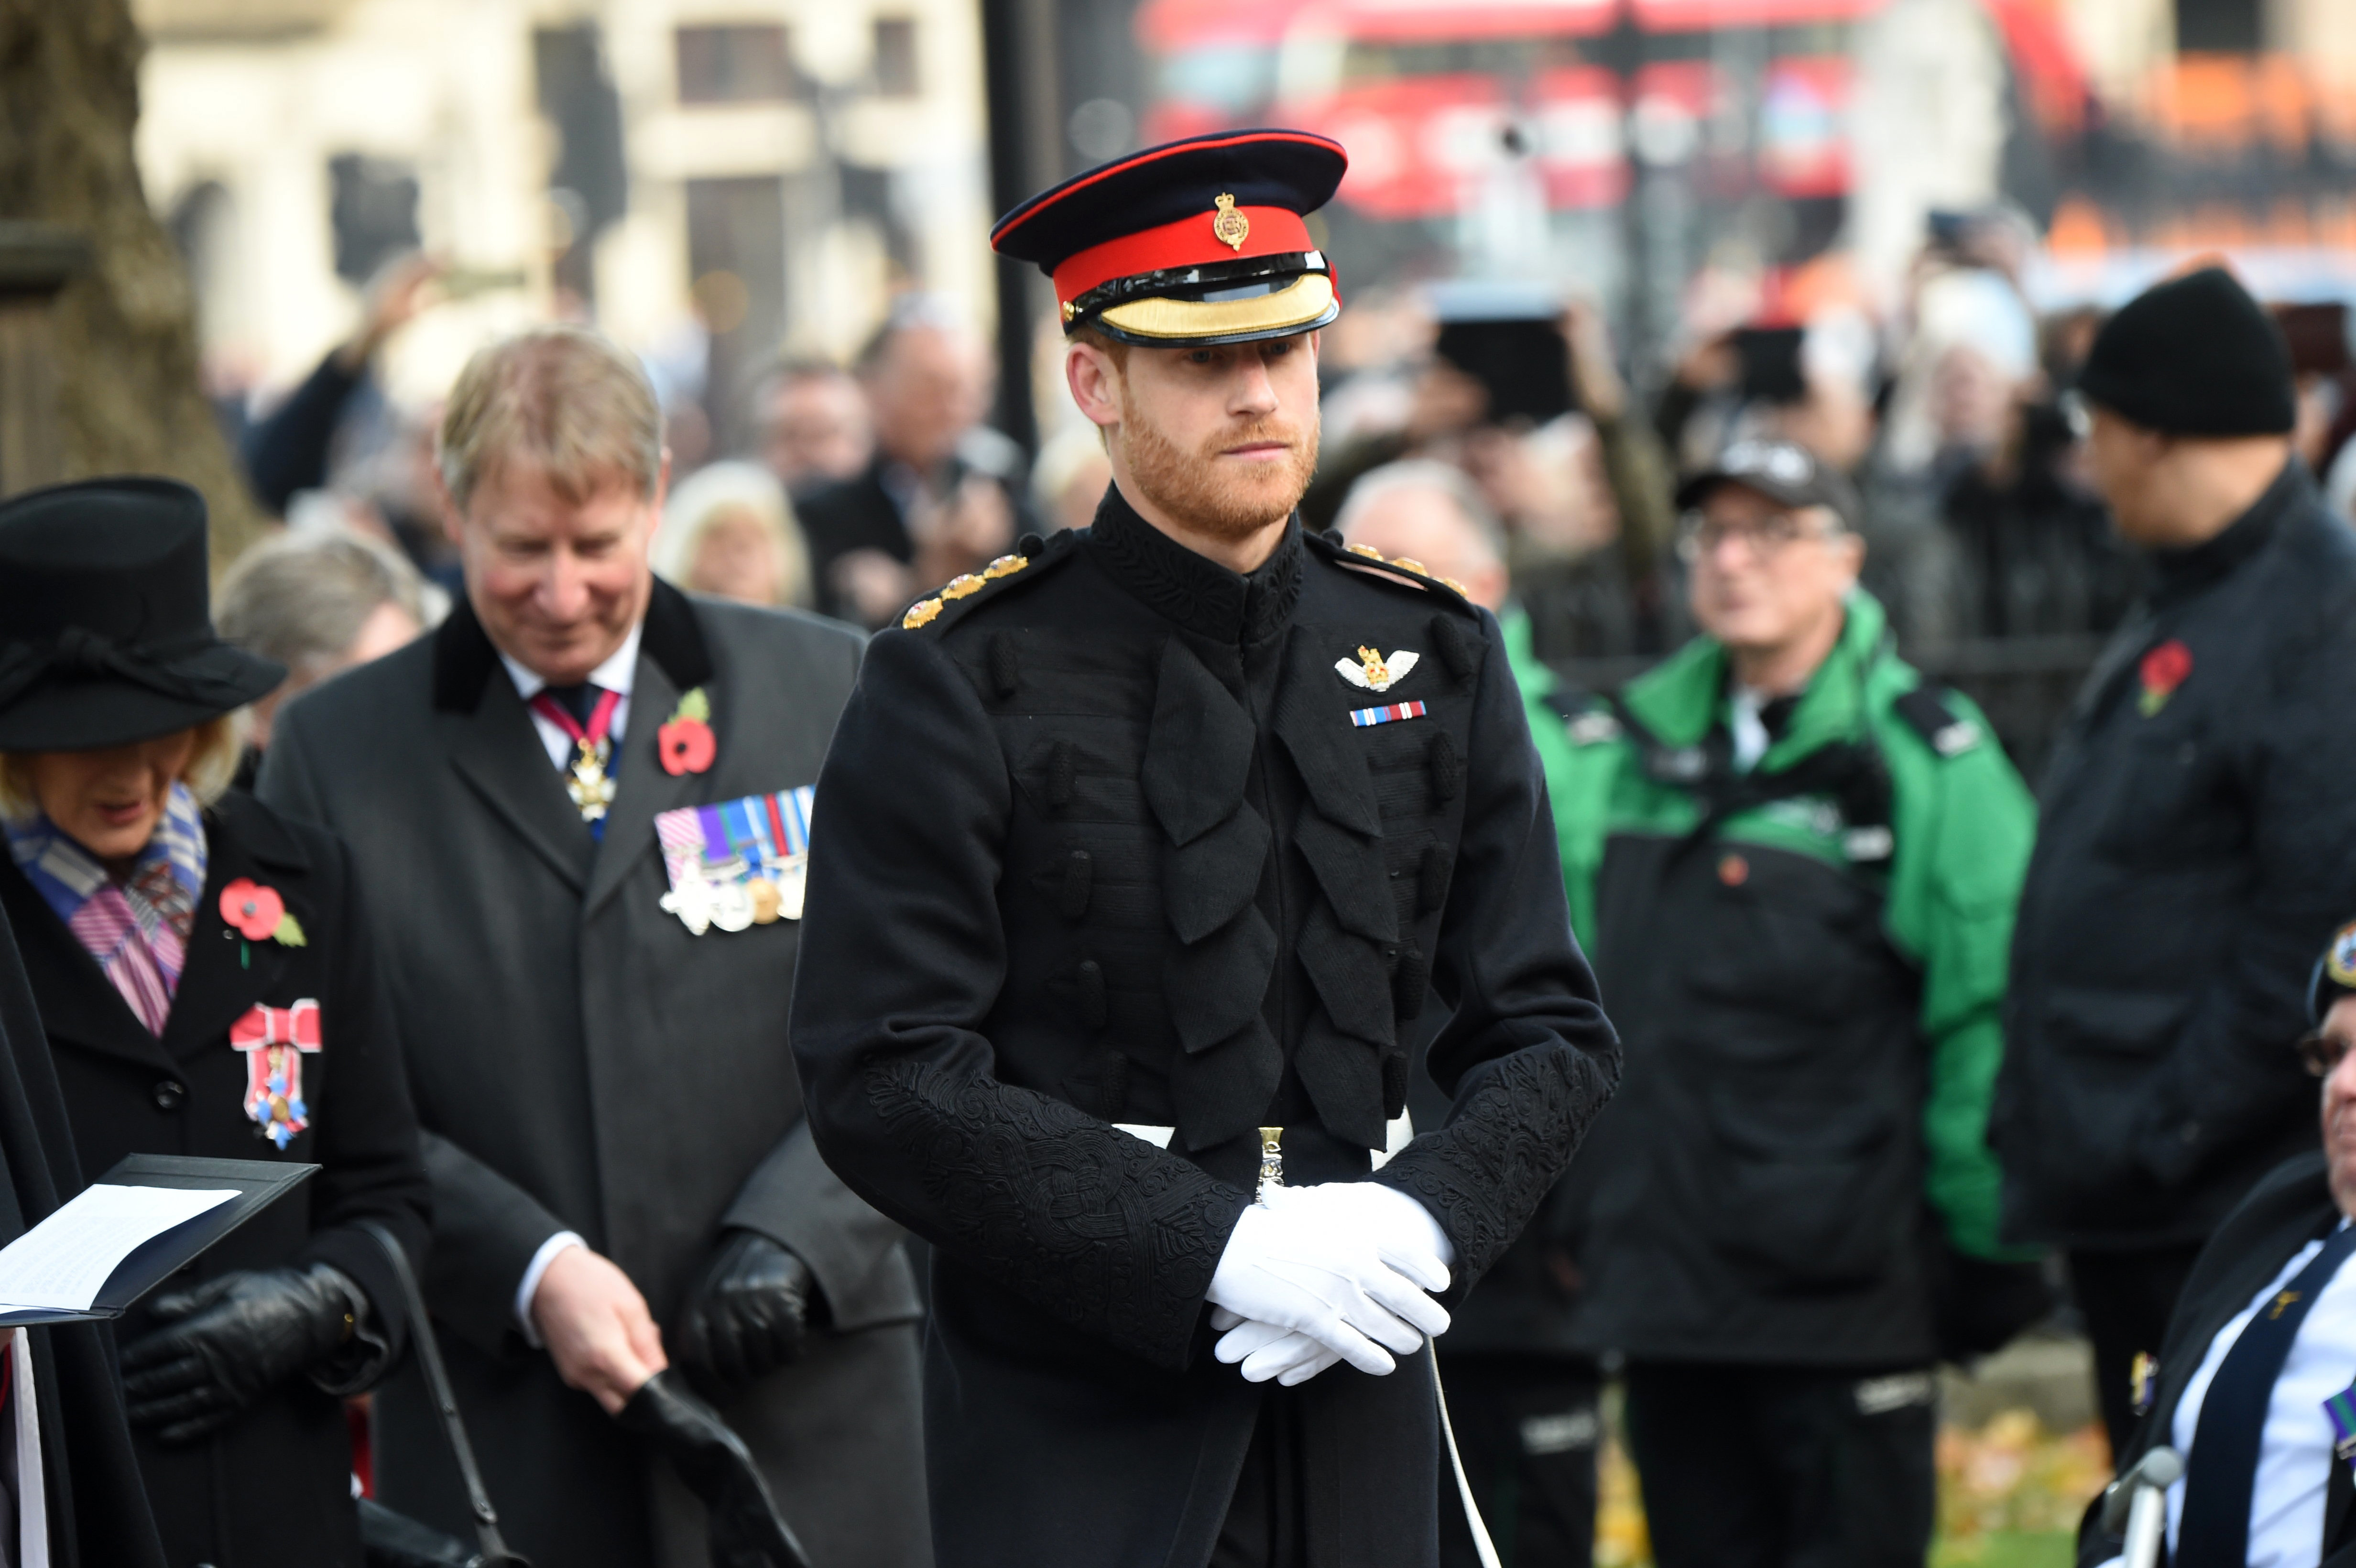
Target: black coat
(2291,1206)
(1101,844)
(582,1061)
(2192,856)
(275,1487)
(99,1516)
(866,512)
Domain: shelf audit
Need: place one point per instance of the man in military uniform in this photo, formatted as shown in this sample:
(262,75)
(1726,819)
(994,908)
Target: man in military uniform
(1795,862)
(1135,852)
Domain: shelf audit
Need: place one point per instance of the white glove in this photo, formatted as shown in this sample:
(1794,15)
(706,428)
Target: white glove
(1316,1268)
(1268,1351)
(1405,1235)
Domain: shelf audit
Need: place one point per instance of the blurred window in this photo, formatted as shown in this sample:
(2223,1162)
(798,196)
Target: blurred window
(203,224)
(737,253)
(1230,76)
(1796,39)
(1505,58)
(737,64)
(372,209)
(2231,25)
(895,56)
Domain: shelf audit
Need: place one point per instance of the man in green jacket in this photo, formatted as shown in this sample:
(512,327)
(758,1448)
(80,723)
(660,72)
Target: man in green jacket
(1795,863)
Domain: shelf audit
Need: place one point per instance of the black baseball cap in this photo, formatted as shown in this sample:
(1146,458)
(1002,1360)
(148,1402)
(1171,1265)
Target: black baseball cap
(1784,470)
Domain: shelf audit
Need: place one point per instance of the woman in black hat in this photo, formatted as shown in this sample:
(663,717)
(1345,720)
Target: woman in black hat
(204,980)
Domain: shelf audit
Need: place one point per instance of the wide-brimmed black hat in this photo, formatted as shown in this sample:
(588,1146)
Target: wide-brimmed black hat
(106,634)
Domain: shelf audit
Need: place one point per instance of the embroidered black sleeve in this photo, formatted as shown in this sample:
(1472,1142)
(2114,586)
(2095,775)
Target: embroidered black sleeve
(1100,1228)
(1484,1174)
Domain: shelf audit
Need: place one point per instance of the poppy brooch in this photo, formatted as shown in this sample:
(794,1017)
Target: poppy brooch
(685,744)
(2163,670)
(257,913)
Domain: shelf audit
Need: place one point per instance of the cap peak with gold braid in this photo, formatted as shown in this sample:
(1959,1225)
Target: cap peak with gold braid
(1199,242)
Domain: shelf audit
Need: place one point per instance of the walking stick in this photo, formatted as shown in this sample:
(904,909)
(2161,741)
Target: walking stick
(495,1552)
(2134,1507)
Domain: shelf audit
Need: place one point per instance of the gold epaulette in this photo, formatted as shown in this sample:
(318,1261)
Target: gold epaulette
(1403,564)
(927,610)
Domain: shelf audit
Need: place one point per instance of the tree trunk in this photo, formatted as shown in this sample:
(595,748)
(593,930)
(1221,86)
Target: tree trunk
(128,394)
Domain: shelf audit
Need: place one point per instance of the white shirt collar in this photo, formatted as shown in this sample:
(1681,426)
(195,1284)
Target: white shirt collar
(614,675)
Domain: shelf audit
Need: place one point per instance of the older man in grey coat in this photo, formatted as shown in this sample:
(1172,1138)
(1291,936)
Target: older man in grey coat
(577,810)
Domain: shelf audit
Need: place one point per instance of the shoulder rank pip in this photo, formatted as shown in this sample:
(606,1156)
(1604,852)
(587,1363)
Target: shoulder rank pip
(1030,556)
(1399,569)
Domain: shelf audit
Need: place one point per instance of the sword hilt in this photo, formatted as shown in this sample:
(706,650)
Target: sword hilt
(1271,1160)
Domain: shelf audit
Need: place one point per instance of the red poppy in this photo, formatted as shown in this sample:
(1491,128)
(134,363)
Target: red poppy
(685,746)
(2165,667)
(254,909)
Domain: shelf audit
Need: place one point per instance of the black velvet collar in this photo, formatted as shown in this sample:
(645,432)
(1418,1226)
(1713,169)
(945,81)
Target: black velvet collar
(1194,590)
(2183,572)
(464,657)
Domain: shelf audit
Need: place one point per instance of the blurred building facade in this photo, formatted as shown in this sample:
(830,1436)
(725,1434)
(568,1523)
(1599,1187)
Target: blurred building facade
(710,180)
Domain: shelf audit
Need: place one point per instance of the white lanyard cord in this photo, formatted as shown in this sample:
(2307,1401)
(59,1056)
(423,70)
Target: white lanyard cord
(1482,1544)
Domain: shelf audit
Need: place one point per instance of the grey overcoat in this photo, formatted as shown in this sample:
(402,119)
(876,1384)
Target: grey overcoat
(580,1061)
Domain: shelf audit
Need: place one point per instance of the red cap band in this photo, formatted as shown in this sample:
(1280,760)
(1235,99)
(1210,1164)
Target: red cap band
(1189,242)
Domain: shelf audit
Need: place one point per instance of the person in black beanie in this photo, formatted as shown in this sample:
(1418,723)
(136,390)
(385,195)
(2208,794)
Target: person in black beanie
(2196,837)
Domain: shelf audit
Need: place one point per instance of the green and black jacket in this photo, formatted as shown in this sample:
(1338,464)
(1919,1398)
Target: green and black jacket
(1807,964)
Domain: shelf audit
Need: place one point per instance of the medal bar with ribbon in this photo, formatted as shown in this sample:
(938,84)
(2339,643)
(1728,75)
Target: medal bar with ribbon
(586,780)
(737,863)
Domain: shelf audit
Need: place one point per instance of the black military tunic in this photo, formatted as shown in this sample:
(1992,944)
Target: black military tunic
(1106,838)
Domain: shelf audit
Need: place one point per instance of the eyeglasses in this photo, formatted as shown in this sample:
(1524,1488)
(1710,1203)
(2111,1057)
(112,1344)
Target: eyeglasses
(1768,536)
(2321,1053)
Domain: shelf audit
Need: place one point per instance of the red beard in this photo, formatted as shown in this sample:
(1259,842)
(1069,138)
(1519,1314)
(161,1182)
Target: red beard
(1222,499)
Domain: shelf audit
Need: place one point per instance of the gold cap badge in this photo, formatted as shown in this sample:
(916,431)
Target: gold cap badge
(1231,227)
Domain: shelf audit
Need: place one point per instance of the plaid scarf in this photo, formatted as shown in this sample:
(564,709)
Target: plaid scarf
(137,928)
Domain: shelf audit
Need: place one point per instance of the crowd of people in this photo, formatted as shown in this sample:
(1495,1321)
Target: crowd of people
(1233,909)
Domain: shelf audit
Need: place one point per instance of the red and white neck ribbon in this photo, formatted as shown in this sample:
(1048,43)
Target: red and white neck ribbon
(600,728)
(275,1040)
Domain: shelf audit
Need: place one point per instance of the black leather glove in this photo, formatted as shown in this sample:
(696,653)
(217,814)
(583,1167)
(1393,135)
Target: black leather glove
(233,1339)
(1980,1307)
(748,1531)
(748,1315)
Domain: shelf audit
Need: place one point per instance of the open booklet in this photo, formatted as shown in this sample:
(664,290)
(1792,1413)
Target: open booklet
(130,1231)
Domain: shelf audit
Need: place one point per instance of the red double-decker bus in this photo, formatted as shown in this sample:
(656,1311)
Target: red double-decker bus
(1430,96)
